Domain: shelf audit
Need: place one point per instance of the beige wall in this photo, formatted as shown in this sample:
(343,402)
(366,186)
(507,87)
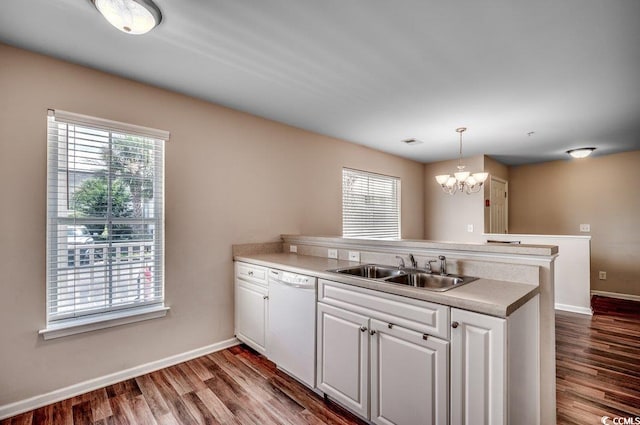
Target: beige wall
(446,217)
(556,197)
(230,178)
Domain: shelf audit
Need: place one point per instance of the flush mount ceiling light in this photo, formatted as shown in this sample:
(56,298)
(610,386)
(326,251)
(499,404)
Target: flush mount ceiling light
(462,181)
(580,152)
(130,16)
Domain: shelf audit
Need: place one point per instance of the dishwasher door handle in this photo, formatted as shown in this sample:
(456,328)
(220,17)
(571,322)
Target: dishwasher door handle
(305,285)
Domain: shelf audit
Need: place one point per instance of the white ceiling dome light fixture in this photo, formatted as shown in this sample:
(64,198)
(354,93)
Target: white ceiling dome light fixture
(461,180)
(130,16)
(580,152)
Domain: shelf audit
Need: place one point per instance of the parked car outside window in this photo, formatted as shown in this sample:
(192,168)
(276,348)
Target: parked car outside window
(78,235)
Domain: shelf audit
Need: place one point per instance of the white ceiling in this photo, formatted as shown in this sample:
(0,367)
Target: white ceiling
(375,72)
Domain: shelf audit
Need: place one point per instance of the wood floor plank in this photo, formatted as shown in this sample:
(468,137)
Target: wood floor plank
(154,398)
(82,414)
(217,408)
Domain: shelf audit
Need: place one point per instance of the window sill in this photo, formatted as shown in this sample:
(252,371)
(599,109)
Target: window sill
(102,321)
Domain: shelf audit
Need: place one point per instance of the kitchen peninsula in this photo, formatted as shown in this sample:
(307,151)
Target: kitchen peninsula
(502,322)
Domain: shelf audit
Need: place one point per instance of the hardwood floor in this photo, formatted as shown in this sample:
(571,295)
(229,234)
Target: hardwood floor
(233,386)
(598,363)
(598,374)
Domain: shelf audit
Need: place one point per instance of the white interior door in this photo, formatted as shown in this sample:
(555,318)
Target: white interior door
(498,206)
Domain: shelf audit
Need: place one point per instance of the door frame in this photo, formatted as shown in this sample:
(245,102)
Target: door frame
(491,203)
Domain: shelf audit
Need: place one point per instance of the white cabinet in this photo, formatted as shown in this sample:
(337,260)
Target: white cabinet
(251,306)
(477,369)
(343,357)
(384,372)
(409,373)
(495,367)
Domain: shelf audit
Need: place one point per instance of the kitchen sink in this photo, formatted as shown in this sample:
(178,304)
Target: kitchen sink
(434,282)
(371,271)
(404,276)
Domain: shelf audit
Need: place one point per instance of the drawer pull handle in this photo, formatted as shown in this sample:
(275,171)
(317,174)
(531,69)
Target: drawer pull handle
(455,325)
(425,336)
(250,273)
(363,328)
(390,325)
(266,297)
(372,332)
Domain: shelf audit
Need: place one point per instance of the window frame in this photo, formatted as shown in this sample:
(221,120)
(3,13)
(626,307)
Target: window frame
(113,315)
(396,181)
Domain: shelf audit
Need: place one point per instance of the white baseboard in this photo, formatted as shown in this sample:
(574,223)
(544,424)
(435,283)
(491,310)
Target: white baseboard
(616,295)
(574,309)
(22,406)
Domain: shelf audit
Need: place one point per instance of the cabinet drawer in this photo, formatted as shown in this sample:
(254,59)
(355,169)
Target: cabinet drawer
(252,273)
(421,316)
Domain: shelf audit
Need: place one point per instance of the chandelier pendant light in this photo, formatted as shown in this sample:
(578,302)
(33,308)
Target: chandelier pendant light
(130,16)
(462,181)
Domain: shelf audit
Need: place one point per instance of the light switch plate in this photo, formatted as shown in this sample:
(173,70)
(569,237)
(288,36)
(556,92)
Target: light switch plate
(293,248)
(470,228)
(354,256)
(585,228)
(602,275)
(332,253)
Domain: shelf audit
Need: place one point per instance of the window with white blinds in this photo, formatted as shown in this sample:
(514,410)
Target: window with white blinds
(370,205)
(105,218)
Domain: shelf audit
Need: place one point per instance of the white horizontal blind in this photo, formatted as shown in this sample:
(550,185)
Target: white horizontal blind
(370,205)
(105,216)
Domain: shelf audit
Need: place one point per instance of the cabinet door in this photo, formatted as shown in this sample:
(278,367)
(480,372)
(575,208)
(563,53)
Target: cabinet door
(409,376)
(343,357)
(478,365)
(251,314)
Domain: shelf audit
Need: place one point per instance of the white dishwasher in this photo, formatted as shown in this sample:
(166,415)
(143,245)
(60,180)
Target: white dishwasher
(292,324)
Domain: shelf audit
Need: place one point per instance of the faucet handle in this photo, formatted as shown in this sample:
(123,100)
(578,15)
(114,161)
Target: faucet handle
(400,262)
(428,267)
(441,257)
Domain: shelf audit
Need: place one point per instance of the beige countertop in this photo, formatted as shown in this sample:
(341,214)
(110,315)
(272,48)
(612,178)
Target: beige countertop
(493,297)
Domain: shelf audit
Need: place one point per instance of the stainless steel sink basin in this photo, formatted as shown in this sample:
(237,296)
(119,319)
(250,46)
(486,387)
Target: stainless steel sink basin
(434,282)
(409,277)
(371,271)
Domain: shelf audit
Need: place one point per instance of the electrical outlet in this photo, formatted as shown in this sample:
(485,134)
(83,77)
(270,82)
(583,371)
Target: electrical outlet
(354,256)
(332,253)
(602,275)
(293,248)
(470,228)
(585,228)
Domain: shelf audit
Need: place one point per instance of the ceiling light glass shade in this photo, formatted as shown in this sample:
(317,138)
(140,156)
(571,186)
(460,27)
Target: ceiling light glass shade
(461,180)
(581,152)
(461,175)
(130,16)
(480,177)
(442,179)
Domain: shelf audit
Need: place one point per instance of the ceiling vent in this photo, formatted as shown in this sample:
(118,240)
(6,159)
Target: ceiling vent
(412,142)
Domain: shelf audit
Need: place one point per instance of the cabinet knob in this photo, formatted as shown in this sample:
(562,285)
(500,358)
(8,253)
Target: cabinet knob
(390,325)
(372,332)
(266,297)
(363,328)
(250,273)
(455,325)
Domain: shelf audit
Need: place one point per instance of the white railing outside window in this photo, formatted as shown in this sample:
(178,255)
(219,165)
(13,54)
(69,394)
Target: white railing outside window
(105,219)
